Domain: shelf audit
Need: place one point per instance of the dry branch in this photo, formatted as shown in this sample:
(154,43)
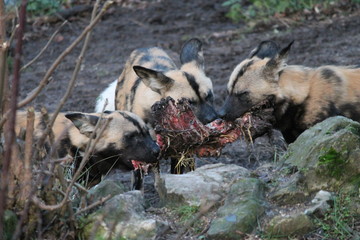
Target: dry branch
(73,79)
(44,48)
(95,204)
(45,80)
(88,153)
(10,131)
(26,188)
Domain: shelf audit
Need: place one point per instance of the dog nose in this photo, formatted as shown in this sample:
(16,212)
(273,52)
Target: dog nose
(222,113)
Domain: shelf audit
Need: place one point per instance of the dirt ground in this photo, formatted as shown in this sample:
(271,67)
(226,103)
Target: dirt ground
(167,24)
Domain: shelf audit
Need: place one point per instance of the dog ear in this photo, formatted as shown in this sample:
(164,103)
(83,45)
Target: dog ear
(192,51)
(155,80)
(266,49)
(84,122)
(283,54)
(275,64)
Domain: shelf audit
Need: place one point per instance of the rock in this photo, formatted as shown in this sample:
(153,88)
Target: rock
(292,225)
(241,210)
(104,188)
(207,182)
(320,203)
(323,157)
(123,217)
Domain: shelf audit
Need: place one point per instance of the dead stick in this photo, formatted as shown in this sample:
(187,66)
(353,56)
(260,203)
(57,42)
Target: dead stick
(88,153)
(10,135)
(44,48)
(26,190)
(97,203)
(72,81)
(52,68)
(28,155)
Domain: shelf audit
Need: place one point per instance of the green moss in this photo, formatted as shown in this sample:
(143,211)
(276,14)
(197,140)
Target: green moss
(186,212)
(333,162)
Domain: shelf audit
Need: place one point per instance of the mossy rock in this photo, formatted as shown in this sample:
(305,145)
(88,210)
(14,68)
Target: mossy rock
(325,157)
(243,205)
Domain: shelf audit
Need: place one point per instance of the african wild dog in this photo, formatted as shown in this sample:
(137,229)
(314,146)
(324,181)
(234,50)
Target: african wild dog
(150,75)
(125,138)
(301,96)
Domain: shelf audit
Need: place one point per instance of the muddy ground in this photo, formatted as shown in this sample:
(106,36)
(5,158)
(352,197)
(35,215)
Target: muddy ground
(319,40)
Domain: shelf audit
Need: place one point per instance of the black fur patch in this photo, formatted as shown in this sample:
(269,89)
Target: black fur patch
(134,122)
(350,111)
(120,84)
(161,67)
(65,146)
(194,85)
(144,59)
(330,75)
(133,92)
(290,126)
(209,97)
(235,105)
(240,73)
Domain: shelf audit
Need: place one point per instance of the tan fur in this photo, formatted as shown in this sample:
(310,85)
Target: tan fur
(303,95)
(63,127)
(147,93)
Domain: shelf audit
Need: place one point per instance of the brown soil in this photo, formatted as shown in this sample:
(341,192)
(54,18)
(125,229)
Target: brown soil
(166,23)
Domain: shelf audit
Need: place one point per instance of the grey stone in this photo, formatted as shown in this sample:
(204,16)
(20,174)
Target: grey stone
(123,216)
(297,224)
(320,203)
(208,182)
(239,214)
(325,156)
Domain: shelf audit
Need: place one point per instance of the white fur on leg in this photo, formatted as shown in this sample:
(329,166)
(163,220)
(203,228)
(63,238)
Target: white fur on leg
(109,94)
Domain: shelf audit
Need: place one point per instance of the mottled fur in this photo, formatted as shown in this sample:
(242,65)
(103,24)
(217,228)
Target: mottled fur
(125,138)
(303,96)
(150,74)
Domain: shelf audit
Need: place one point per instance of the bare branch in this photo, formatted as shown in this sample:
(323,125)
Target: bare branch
(88,152)
(44,48)
(26,188)
(52,68)
(95,204)
(10,131)
(72,81)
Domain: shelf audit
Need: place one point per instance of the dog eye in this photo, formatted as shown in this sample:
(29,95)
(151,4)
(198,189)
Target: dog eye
(192,102)
(209,98)
(243,94)
(130,135)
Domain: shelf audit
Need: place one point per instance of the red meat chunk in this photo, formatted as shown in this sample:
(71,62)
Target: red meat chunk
(179,132)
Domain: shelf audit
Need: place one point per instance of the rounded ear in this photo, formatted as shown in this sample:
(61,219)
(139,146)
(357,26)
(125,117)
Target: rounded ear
(266,49)
(155,80)
(84,122)
(192,51)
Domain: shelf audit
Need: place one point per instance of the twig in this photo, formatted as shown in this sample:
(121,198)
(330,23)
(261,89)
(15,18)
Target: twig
(88,152)
(44,48)
(2,23)
(72,81)
(52,68)
(10,135)
(26,188)
(97,203)
(71,217)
